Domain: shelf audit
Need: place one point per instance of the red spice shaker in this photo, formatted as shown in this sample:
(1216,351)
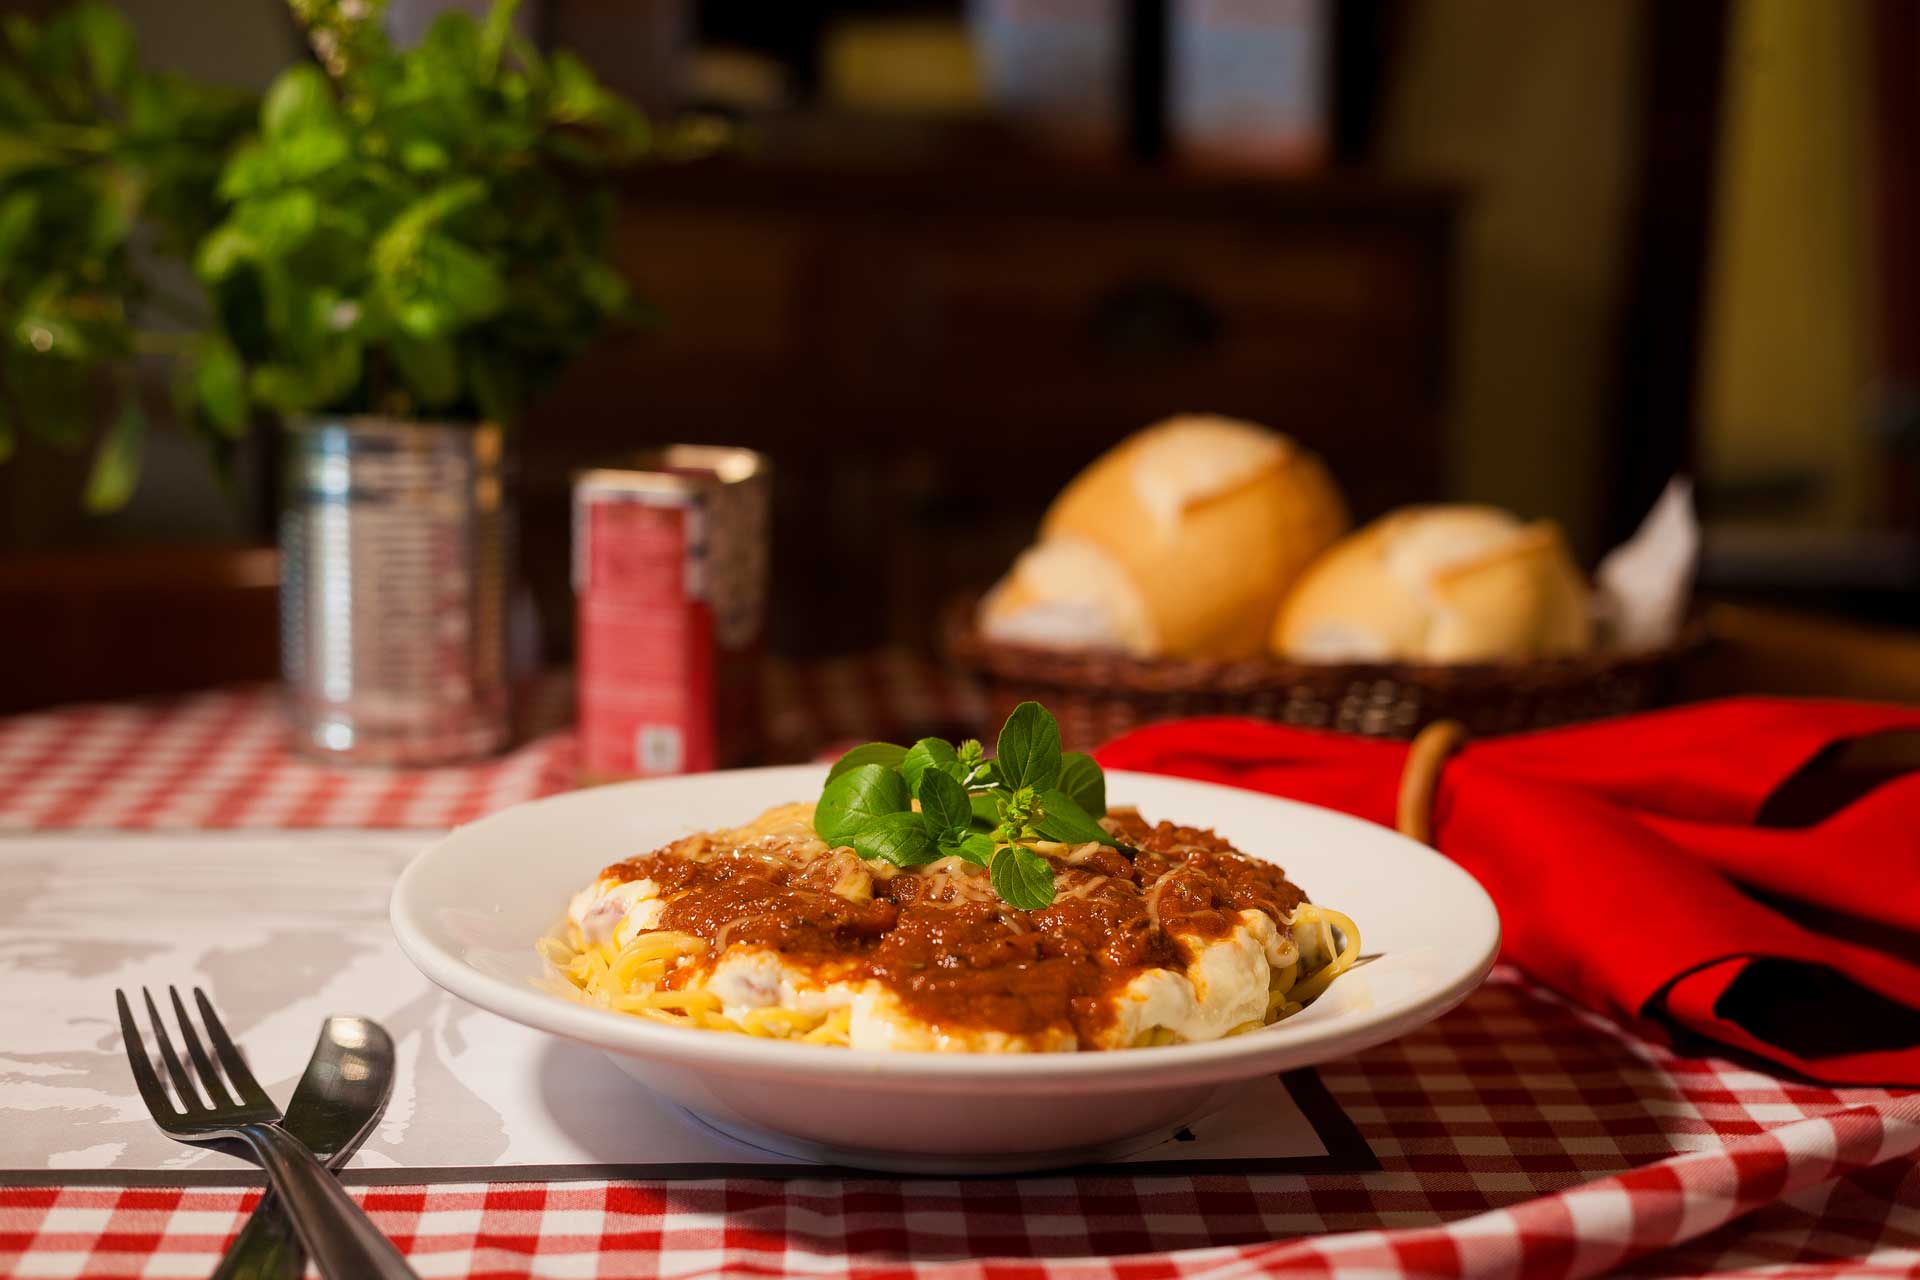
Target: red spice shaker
(670,552)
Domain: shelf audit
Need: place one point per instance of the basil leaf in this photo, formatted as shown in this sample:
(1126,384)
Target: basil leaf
(116,465)
(300,98)
(1082,780)
(855,798)
(107,40)
(430,370)
(974,846)
(881,753)
(220,384)
(986,810)
(926,754)
(1029,748)
(1062,819)
(944,804)
(971,765)
(899,838)
(1022,877)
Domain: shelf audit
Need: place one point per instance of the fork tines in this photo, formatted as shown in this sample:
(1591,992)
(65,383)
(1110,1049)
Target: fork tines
(191,1102)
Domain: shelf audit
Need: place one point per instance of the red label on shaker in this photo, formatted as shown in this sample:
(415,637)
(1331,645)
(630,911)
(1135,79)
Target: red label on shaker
(646,644)
(670,571)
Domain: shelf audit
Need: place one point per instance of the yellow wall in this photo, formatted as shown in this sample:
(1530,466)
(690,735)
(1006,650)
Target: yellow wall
(1787,356)
(1533,107)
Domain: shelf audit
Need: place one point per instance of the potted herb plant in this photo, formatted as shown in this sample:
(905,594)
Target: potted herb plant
(413,247)
(104,169)
(398,249)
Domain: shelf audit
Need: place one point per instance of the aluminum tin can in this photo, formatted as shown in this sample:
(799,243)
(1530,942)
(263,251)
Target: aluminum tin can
(395,546)
(670,553)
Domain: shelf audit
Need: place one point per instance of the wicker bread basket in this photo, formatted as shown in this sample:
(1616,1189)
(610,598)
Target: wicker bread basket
(1097,695)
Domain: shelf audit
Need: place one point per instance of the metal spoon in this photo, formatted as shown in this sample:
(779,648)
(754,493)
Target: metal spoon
(339,1099)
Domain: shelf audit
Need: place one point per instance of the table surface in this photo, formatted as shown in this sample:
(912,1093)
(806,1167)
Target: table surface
(1518,1134)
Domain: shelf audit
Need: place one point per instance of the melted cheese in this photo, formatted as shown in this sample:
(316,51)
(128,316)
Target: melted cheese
(1224,986)
(615,911)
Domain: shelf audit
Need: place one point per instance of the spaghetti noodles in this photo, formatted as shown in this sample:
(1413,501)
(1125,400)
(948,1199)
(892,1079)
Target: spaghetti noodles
(765,930)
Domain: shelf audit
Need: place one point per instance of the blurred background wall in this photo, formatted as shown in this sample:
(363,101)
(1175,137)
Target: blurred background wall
(1542,255)
(1532,110)
(1807,407)
(1789,356)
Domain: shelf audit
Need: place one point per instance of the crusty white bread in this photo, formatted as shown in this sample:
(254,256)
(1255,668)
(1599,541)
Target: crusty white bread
(1442,584)
(1179,541)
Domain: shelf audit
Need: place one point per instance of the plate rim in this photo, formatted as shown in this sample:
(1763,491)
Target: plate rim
(1230,1058)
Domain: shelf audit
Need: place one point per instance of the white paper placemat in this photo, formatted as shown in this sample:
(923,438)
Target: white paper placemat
(283,929)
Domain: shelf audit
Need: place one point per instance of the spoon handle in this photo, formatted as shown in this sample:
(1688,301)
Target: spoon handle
(267,1247)
(342,1240)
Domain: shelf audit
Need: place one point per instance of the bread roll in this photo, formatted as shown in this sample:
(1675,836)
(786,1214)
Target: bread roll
(1068,594)
(1439,584)
(1179,541)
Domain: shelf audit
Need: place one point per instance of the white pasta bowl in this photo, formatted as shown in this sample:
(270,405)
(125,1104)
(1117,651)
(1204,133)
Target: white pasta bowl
(470,910)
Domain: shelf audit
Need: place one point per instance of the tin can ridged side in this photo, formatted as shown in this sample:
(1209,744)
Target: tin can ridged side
(396,546)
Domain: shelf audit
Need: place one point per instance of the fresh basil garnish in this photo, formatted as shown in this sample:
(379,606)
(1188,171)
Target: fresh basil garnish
(899,838)
(885,754)
(1022,877)
(1063,820)
(856,798)
(929,753)
(975,846)
(1082,780)
(972,767)
(1029,754)
(986,811)
(943,803)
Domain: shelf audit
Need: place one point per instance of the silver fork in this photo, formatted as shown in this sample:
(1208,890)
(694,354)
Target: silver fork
(337,1234)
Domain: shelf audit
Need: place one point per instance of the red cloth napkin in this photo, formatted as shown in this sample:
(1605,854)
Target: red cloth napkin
(1629,871)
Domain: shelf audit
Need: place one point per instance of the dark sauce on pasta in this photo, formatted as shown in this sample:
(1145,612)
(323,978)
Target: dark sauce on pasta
(957,960)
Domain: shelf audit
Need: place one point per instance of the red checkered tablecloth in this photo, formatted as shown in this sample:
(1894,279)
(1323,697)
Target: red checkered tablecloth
(221,760)
(1518,1135)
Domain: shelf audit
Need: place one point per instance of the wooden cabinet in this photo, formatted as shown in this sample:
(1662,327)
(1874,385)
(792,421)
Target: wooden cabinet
(928,353)
(115,623)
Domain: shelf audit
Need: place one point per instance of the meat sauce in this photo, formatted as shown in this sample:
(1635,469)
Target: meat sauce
(958,960)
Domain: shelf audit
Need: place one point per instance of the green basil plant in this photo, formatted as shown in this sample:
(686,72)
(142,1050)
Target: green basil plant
(415,233)
(985,811)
